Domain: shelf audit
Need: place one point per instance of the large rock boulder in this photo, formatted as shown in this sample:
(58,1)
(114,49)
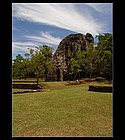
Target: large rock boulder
(72,43)
(66,50)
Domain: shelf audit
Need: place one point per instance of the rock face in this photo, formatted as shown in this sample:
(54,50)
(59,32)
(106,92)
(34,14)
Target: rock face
(66,50)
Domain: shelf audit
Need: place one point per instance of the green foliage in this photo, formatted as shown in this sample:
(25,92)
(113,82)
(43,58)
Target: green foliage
(90,60)
(105,41)
(36,64)
(75,67)
(104,55)
(84,61)
(17,66)
(95,61)
(41,61)
(19,58)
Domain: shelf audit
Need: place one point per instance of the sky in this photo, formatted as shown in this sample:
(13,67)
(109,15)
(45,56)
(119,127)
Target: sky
(35,24)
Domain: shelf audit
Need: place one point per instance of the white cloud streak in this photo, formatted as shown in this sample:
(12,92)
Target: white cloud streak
(22,46)
(44,38)
(65,16)
(101,7)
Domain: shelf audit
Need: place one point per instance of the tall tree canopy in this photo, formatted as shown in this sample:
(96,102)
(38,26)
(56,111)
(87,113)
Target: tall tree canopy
(36,64)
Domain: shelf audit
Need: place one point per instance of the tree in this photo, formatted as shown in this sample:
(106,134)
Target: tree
(95,61)
(28,71)
(17,69)
(89,60)
(47,57)
(104,55)
(36,64)
(41,61)
(19,58)
(105,41)
(76,65)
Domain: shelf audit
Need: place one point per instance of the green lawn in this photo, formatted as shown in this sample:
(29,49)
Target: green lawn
(62,111)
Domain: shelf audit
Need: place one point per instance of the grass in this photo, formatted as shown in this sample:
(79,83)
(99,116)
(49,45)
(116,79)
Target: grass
(62,111)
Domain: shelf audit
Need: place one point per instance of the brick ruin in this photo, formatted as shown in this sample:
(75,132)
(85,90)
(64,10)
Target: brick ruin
(66,50)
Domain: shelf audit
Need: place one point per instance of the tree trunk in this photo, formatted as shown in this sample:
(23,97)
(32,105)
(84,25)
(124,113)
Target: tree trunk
(61,74)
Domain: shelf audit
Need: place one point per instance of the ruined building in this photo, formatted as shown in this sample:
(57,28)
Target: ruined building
(66,50)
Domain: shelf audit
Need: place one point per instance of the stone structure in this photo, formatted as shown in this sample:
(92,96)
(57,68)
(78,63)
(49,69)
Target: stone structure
(66,50)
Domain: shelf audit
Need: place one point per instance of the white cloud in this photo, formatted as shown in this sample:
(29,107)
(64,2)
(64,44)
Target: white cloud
(65,16)
(22,46)
(101,7)
(44,38)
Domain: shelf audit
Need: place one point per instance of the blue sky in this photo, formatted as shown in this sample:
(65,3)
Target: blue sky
(35,24)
